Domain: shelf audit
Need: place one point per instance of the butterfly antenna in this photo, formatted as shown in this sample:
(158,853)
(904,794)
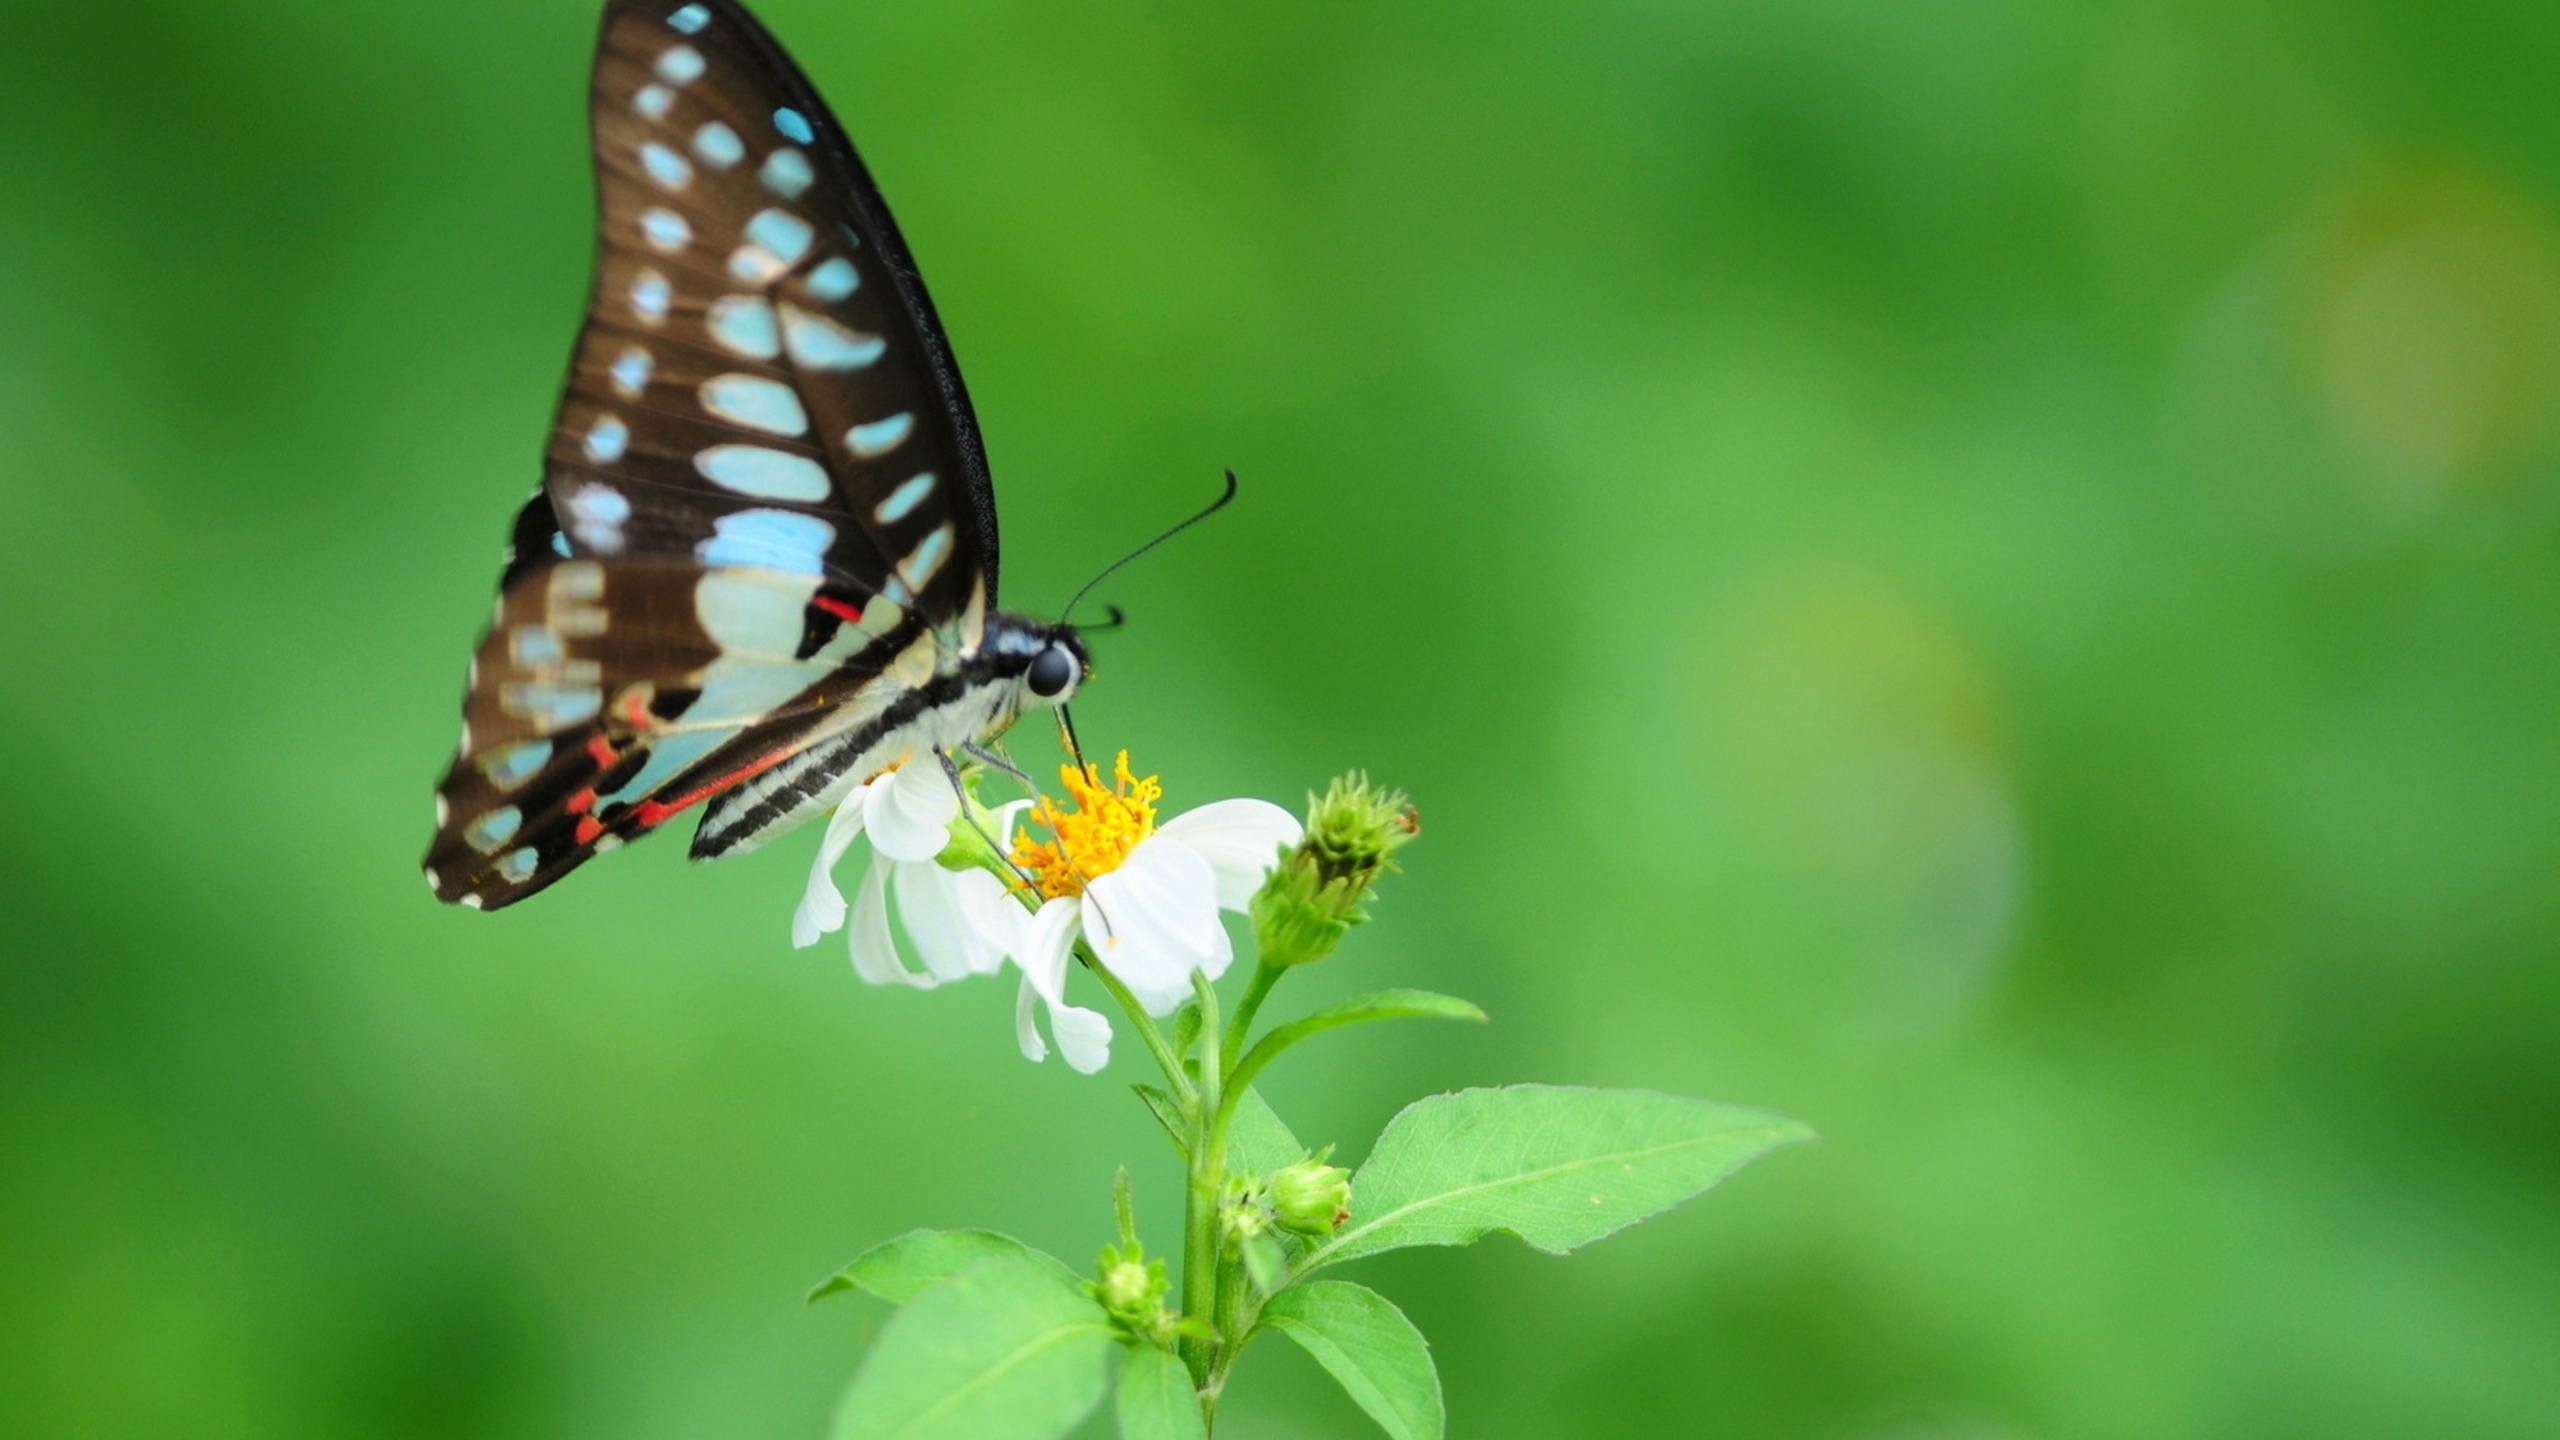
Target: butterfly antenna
(1067,733)
(1212,508)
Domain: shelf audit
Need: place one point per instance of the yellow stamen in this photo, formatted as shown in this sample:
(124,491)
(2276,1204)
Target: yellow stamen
(1093,837)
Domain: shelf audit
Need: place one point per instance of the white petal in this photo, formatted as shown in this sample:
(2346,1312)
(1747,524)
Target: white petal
(943,937)
(1026,1029)
(1161,1003)
(875,955)
(843,826)
(1008,816)
(1155,920)
(1241,840)
(1222,955)
(992,915)
(1046,940)
(821,909)
(911,810)
(1084,1037)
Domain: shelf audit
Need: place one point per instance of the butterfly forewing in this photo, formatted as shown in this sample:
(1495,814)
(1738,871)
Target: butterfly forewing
(764,498)
(758,340)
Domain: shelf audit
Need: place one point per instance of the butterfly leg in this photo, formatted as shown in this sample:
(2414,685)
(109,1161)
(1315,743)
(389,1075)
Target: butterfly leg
(983,755)
(951,770)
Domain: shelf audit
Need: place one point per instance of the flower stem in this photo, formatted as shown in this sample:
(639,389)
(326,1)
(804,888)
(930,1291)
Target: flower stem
(1265,976)
(1208,1173)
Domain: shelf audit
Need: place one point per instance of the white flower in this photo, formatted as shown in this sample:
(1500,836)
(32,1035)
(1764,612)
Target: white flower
(1146,898)
(907,813)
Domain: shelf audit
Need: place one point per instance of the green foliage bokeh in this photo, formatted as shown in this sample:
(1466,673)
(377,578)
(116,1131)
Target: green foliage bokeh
(1982,574)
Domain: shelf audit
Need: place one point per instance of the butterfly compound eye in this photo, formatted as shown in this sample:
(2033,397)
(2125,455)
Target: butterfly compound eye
(1052,671)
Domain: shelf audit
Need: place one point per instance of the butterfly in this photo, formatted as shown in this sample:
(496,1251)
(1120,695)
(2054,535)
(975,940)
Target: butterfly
(761,564)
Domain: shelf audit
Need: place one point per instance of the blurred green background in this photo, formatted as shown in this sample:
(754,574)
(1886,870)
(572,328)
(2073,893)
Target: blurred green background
(1981,573)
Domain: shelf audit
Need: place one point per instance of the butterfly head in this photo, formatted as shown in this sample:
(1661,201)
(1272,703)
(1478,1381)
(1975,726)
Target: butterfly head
(1059,668)
(1045,662)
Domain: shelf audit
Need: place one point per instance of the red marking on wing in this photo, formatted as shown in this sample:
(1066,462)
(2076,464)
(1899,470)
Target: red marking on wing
(635,709)
(654,812)
(600,750)
(848,613)
(582,802)
(589,827)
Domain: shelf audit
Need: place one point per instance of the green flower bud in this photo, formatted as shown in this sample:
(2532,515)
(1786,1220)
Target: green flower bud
(1311,1197)
(1314,896)
(1244,1211)
(1132,1289)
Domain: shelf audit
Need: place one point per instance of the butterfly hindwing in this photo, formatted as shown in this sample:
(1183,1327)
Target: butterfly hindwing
(610,696)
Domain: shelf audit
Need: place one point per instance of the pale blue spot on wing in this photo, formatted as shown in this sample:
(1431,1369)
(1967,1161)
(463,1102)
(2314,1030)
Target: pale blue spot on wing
(786,173)
(818,343)
(631,371)
(756,618)
(607,439)
(650,295)
(532,647)
(560,545)
(690,19)
(744,325)
(493,829)
(755,265)
(719,146)
(509,766)
(756,403)
(769,539)
(794,124)
(834,279)
(786,235)
(654,101)
(551,708)
(665,166)
(665,229)
(680,65)
(519,865)
(765,474)
(882,436)
(597,513)
(903,500)
(925,561)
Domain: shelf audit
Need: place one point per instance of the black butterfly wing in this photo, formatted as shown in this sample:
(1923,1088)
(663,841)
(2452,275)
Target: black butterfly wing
(765,499)
(759,337)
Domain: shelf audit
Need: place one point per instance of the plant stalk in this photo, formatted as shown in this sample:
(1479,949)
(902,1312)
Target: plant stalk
(1208,1172)
(1265,975)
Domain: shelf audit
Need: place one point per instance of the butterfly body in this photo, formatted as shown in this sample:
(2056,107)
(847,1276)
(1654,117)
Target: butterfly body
(761,565)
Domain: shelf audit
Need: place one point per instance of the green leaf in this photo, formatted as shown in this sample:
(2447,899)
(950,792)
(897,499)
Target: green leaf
(1397,1005)
(1384,1005)
(1266,1262)
(1168,1113)
(1001,1351)
(1156,1398)
(1559,1166)
(1258,1140)
(1380,1360)
(900,1270)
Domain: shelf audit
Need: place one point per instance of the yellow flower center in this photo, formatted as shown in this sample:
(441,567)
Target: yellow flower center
(1095,834)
